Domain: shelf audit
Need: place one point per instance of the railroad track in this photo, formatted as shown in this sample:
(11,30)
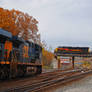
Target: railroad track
(33,77)
(48,81)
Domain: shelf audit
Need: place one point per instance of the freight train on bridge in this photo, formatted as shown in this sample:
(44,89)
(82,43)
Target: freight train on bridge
(66,50)
(18,57)
(71,52)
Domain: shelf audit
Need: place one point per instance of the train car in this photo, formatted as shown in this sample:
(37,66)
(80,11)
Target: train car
(18,57)
(71,50)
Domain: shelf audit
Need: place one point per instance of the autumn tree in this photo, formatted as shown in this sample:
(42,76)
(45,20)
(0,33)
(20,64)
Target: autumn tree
(47,54)
(20,24)
(6,21)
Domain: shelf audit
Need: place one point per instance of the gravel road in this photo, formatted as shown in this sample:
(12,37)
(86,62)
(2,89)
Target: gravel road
(83,85)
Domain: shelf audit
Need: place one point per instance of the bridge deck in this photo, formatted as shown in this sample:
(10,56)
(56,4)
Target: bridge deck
(75,55)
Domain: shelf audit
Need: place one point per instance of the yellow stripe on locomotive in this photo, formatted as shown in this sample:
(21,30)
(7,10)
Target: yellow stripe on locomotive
(8,48)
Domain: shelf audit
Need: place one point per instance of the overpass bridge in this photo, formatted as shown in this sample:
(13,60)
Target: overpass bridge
(73,57)
(71,52)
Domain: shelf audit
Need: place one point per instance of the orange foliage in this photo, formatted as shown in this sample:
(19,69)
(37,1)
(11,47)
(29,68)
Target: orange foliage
(19,23)
(6,21)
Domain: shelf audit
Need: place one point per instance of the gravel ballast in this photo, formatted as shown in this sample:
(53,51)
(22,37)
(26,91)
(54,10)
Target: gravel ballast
(83,85)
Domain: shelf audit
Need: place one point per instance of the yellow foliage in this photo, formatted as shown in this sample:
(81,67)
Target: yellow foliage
(47,57)
(86,64)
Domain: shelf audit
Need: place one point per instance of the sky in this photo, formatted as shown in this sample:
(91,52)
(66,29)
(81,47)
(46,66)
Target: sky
(61,22)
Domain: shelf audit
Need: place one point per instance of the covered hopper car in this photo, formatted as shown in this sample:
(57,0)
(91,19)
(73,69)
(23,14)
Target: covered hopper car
(18,57)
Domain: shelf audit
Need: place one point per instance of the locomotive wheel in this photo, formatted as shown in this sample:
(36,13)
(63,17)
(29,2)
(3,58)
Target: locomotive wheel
(7,73)
(21,71)
(4,73)
(24,71)
(12,74)
(39,70)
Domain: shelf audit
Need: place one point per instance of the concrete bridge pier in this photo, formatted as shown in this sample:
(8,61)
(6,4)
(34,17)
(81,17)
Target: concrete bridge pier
(59,64)
(73,59)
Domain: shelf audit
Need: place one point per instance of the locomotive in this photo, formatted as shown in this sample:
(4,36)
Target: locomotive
(18,57)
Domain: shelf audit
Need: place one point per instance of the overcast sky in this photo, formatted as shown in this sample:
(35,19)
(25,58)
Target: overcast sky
(61,22)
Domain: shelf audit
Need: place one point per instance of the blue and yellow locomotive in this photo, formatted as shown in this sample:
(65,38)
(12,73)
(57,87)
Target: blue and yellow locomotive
(18,57)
